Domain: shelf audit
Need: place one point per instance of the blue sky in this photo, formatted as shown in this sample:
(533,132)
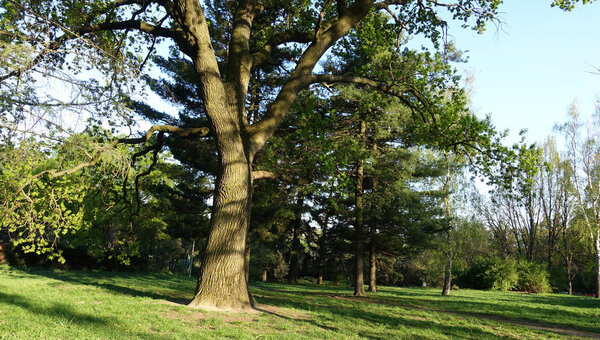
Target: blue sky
(528,70)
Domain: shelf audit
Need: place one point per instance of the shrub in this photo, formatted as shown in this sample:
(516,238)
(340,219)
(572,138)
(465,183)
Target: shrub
(505,274)
(502,274)
(533,278)
(490,273)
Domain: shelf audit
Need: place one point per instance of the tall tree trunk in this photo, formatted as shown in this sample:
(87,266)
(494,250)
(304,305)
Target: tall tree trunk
(597,246)
(359,241)
(449,253)
(264,275)
(295,253)
(372,268)
(222,280)
(448,268)
(550,248)
(323,247)
(569,276)
(530,246)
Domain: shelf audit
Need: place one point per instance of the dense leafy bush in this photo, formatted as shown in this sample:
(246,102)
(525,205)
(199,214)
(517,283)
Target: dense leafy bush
(505,274)
(533,278)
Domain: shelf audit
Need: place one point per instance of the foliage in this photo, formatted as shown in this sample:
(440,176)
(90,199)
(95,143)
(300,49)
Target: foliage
(505,274)
(569,4)
(533,278)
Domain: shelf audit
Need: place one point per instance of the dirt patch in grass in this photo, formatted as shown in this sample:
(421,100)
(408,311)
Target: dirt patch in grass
(282,312)
(192,314)
(530,325)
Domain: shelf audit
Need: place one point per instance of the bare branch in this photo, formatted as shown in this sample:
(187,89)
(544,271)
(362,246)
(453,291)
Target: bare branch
(130,24)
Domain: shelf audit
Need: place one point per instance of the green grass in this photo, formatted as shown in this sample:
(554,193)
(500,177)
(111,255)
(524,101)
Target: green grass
(54,304)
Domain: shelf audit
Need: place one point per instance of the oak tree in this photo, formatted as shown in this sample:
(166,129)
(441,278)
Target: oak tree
(225,41)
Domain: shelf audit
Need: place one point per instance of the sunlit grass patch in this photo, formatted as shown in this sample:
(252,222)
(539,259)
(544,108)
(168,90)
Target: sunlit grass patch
(51,304)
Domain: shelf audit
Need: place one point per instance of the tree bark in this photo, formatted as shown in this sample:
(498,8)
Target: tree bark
(323,247)
(295,253)
(448,268)
(222,281)
(264,275)
(597,246)
(247,261)
(569,276)
(359,281)
(372,268)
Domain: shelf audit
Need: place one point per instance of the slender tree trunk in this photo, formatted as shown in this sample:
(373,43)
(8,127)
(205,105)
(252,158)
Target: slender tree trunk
(448,269)
(323,247)
(569,276)
(570,286)
(294,261)
(222,280)
(550,249)
(449,253)
(518,240)
(264,275)
(597,246)
(530,248)
(372,268)
(295,253)
(359,241)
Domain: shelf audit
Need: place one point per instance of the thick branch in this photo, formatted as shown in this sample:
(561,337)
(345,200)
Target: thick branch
(262,174)
(384,4)
(262,56)
(239,61)
(265,128)
(201,132)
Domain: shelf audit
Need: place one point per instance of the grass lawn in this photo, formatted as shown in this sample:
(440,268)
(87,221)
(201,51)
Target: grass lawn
(54,304)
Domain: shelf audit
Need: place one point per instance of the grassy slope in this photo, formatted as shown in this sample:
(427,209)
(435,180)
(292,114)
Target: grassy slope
(44,304)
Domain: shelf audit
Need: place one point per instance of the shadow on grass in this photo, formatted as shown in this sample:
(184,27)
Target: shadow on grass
(551,310)
(174,287)
(56,310)
(334,312)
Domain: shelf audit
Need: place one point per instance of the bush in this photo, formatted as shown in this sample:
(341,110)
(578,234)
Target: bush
(505,274)
(490,273)
(502,274)
(533,278)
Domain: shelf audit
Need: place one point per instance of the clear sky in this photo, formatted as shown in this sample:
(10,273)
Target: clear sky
(528,70)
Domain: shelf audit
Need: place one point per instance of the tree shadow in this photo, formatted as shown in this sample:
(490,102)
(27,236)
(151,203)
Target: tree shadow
(542,311)
(98,279)
(356,311)
(60,310)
